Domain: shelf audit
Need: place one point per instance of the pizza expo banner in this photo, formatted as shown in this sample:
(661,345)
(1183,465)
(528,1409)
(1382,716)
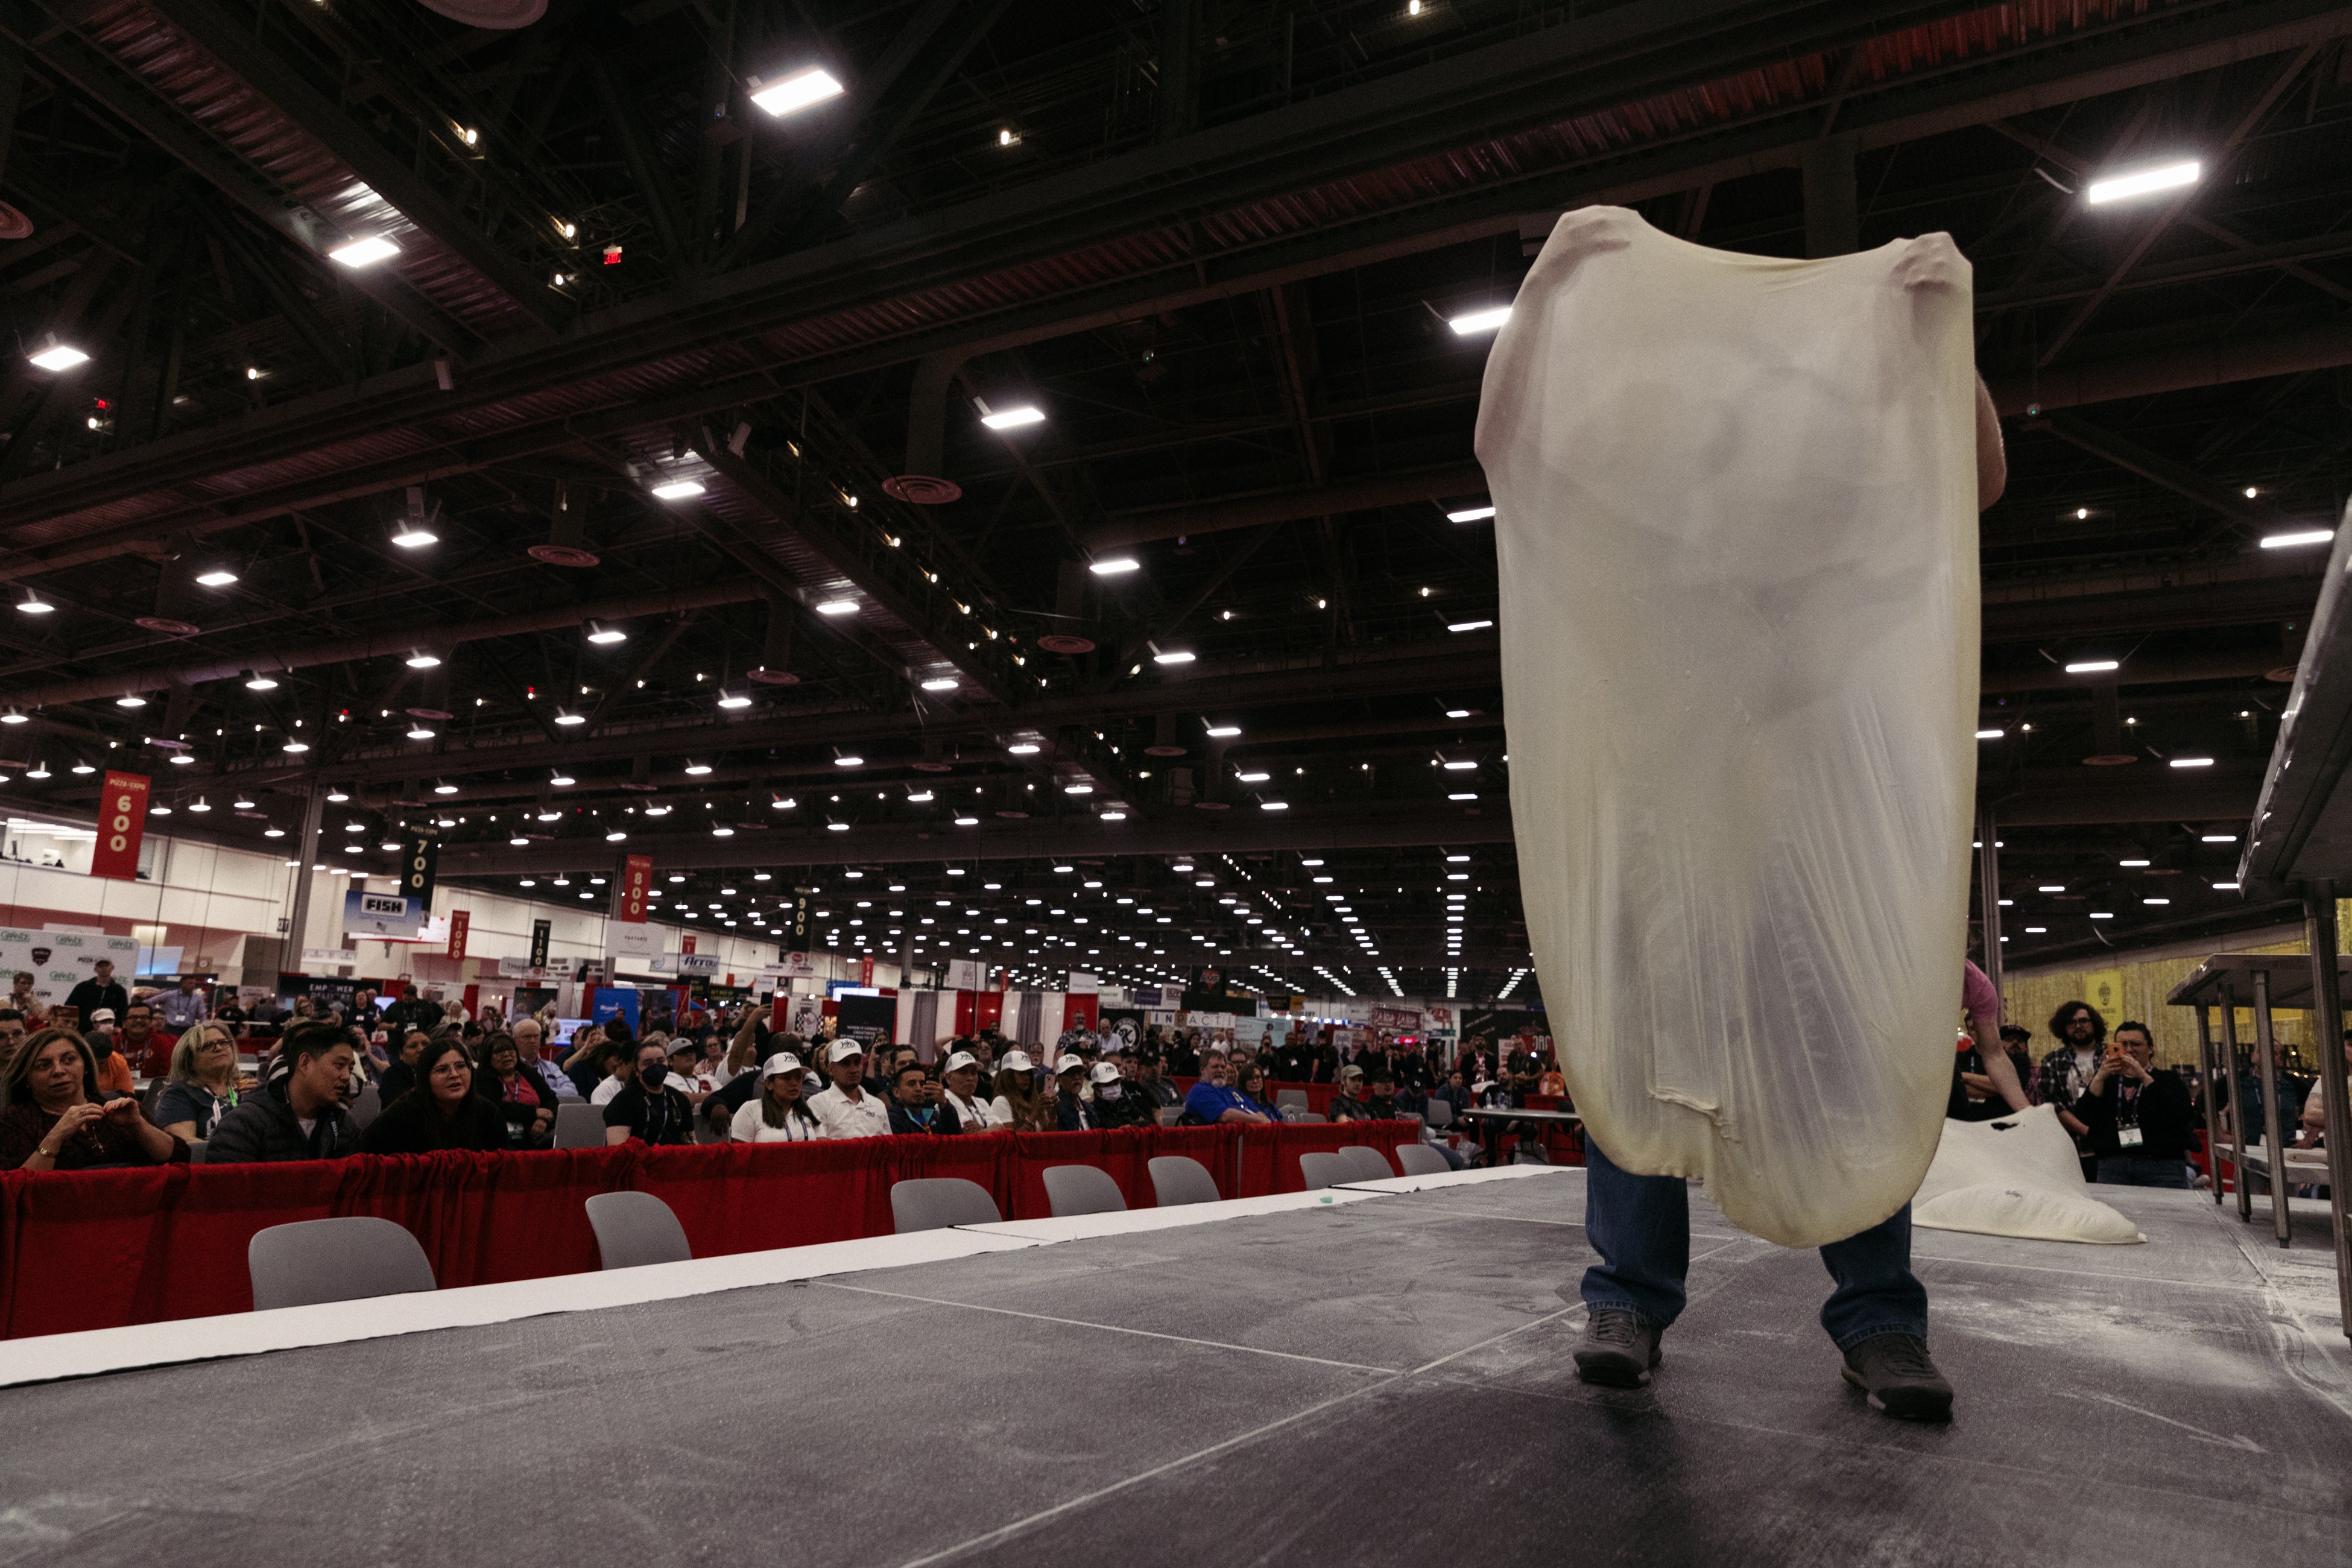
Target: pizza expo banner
(122,823)
(60,960)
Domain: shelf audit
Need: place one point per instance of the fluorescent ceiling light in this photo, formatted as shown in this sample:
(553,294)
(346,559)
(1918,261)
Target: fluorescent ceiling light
(422,660)
(1990,734)
(218,577)
(2092,667)
(131,699)
(561,777)
(1022,748)
(2288,540)
(2192,762)
(567,719)
(2050,887)
(363,252)
(697,769)
(852,761)
(1471,514)
(415,538)
(1014,419)
(1253,778)
(420,733)
(797,91)
(2225,887)
(1174,655)
(1455,767)
(732,700)
(944,683)
(603,634)
(837,607)
(1469,625)
(32,604)
(1116,565)
(676,489)
(1480,320)
(2132,863)
(1274,805)
(2121,187)
(2219,838)
(1078,789)
(294,748)
(1222,731)
(58,356)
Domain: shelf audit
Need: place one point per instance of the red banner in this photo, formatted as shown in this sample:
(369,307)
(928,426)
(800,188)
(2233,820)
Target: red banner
(122,823)
(460,921)
(865,972)
(686,942)
(636,882)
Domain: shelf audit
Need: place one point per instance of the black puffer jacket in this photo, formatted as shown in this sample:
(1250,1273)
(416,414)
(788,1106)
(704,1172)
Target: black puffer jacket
(263,1128)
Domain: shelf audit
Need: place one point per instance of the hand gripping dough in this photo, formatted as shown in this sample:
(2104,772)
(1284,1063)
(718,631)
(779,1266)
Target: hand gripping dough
(1736,522)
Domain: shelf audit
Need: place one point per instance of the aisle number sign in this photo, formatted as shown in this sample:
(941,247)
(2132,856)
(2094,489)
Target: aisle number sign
(461,926)
(418,858)
(637,884)
(121,822)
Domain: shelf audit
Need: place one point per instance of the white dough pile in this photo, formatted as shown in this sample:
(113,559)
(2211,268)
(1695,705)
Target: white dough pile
(1735,517)
(2015,1176)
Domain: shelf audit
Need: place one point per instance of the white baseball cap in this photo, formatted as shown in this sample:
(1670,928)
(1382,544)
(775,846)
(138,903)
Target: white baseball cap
(958,1062)
(1069,1064)
(1016,1061)
(781,1062)
(1106,1072)
(103,1016)
(841,1050)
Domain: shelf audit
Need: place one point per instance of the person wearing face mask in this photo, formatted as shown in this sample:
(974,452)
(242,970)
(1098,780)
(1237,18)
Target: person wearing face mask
(649,1110)
(1118,1102)
(442,1111)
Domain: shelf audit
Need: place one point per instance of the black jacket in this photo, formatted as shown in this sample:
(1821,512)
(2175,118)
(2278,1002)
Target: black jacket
(904,1125)
(2162,1113)
(89,997)
(1077,1115)
(263,1128)
(665,1117)
(414,1124)
(1133,1107)
(519,1116)
(396,1079)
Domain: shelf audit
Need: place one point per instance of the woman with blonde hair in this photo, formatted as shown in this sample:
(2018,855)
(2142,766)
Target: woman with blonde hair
(205,1083)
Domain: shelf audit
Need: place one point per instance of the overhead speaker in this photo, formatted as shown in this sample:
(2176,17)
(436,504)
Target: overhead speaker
(922,490)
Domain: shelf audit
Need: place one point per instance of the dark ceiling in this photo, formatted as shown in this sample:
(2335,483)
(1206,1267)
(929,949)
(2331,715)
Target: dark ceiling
(1216,246)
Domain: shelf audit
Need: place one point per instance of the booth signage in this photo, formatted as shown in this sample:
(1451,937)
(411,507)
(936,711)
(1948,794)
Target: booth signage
(392,916)
(637,882)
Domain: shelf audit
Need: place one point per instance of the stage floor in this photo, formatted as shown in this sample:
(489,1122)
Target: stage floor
(1379,1382)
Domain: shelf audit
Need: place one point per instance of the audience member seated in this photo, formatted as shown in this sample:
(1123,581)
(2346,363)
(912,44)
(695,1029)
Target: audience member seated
(57,1118)
(719,1110)
(516,1084)
(912,1114)
(590,1063)
(298,1112)
(1156,1086)
(1212,1099)
(206,1085)
(1018,1104)
(13,1025)
(401,1075)
(1250,1079)
(961,1109)
(2138,1119)
(1119,1100)
(648,1109)
(114,1075)
(1354,1100)
(528,1040)
(845,1110)
(442,1111)
(781,1114)
(146,1050)
(1072,1113)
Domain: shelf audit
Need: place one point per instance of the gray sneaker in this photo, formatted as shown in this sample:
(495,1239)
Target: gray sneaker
(1895,1370)
(1618,1350)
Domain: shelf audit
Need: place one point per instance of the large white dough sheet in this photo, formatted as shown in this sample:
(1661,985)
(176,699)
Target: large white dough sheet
(1735,517)
(2015,1176)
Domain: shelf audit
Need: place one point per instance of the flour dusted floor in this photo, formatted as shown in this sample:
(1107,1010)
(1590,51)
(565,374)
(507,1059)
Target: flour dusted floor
(1382,1382)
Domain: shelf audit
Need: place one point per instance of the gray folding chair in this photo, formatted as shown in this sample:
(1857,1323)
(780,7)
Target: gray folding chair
(1438,1113)
(196,1151)
(346,1260)
(579,1126)
(1368,1163)
(1170,1115)
(636,1228)
(1082,1189)
(1284,1098)
(365,1105)
(1180,1179)
(935,1203)
(1327,1171)
(1299,1117)
(1421,1160)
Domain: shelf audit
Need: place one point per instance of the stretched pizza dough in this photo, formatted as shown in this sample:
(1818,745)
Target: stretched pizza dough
(2017,1175)
(1736,522)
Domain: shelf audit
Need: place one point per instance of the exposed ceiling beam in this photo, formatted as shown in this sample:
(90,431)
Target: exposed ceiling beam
(1454,479)
(2158,469)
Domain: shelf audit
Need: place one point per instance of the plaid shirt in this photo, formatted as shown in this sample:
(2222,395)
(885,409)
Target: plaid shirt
(2060,1082)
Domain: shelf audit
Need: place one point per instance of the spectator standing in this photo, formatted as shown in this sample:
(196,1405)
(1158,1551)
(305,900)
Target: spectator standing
(206,1085)
(2138,1119)
(298,1113)
(845,1110)
(520,1091)
(1212,1099)
(648,1108)
(2066,1073)
(781,1114)
(185,1007)
(412,1011)
(442,1111)
(101,990)
(961,1107)
(1018,1105)
(58,1118)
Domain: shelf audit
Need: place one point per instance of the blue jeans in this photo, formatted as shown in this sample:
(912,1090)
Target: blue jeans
(2139,1170)
(1641,1227)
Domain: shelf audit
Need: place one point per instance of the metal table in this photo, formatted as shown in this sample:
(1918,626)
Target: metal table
(2300,844)
(1501,1116)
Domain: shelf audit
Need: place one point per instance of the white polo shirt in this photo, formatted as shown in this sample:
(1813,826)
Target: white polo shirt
(842,1117)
